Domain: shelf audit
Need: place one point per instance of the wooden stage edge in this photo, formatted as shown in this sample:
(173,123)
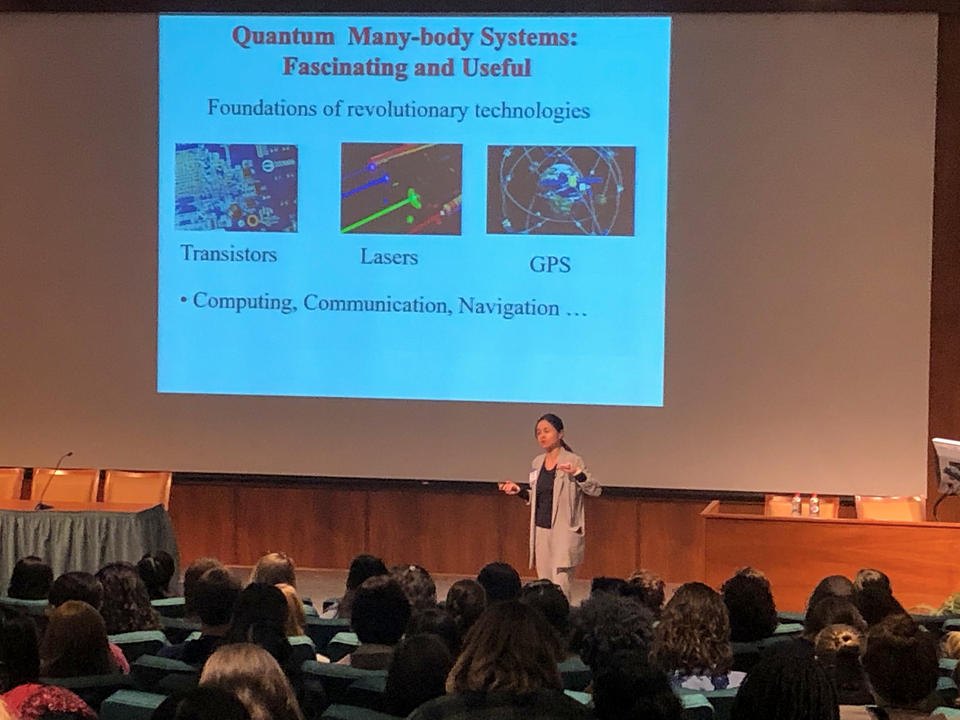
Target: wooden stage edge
(683,539)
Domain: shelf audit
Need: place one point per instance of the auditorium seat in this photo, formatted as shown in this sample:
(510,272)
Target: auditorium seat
(367,692)
(947,712)
(695,706)
(897,508)
(130,705)
(34,608)
(173,607)
(947,666)
(352,712)
(177,628)
(323,630)
(722,702)
(11,482)
(575,674)
(333,678)
(65,485)
(141,642)
(341,645)
(947,691)
(93,689)
(746,654)
(156,674)
(128,486)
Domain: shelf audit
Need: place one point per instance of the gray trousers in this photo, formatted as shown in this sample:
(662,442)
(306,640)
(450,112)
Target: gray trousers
(548,556)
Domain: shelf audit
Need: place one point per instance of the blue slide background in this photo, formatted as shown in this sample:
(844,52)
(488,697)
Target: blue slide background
(606,346)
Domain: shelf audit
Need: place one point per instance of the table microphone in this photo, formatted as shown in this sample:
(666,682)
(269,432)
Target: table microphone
(40,503)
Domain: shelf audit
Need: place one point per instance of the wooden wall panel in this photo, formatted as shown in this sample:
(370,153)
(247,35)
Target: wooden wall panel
(671,538)
(612,537)
(513,526)
(204,519)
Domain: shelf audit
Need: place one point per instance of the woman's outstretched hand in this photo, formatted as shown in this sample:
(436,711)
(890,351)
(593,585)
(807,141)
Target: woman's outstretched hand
(509,487)
(569,469)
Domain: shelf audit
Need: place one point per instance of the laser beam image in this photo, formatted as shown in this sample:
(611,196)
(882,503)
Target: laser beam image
(390,188)
(242,188)
(560,190)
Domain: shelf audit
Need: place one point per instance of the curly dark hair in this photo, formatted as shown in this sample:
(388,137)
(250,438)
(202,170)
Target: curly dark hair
(786,684)
(647,588)
(693,637)
(417,585)
(749,601)
(466,600)
(607,624)
(126,604)
(901,661)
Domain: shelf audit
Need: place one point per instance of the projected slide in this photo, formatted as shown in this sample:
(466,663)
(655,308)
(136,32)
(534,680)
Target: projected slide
(438,208)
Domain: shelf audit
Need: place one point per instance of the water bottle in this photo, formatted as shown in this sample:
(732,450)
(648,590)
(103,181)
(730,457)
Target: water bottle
(796,505)
(814,506)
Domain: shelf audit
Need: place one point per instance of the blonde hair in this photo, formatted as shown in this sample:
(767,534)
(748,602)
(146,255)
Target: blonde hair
(250,672)
(274,568)
(296,617)
(950,645)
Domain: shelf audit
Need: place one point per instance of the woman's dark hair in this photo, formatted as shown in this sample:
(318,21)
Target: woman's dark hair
(75,642)
(557,425)
(837,649)
(190,576)
(606,625)
(786,684)
(749,601)
(831,586)
(500,581)
(875,602)
(274,568)
(76,585)
(630,687)
(380,611)
(438,622)
(260,617)
(417,673)
(466,601)
(156,570)
(901,661)
(548,598)
(693,637)
(201,703)
(215,594)
(126,604)
(31,579)
(417,585)
(647,588)
(362,567)
(19,652)
(832,610)
(511,648)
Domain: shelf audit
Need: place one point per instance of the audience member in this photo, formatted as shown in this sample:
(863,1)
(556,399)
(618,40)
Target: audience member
(47,702)
(362,567)
(197,568)
(500,581)
(647,588)
(126,604)
(749,601)
(156,570)
(605,584)
(630,688)
(254,677)
(692,641)
(296,617)
(417,673)
(273,569)
(201,703)
(950,645)
(547,597)
(832,611)
(417,585)
(380,615)
(508,668)
(610,624)
(31,579)
(873,596)
(75,643)
(213,595)
(436,621)
(831,586)
(260,617)
(80,586)
(837,649)
(466,601)
(786,684)
(19,654)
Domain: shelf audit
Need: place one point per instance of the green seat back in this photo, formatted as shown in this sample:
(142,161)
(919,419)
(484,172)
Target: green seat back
(130,705)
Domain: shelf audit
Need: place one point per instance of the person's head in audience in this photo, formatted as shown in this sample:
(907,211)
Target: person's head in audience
(274,568)
(362,567)
(201,703)
(417,673)
(832,610)
(749,601)
(197,568)
(254,677)
(156,570)
(296,617)
(610,624)
(466,601)
(260,617)
(786,684)
(19,652)
(950,645)
(693,637)
(436,621)
(75,643)
(76,586)
(214,595)
(647,588)
(548,598)
(901,663)
(830,586)
(604,584)
(500,581)
(630,688)
(837,649)
(126,604)
(873,596)
(417,585)
(31,579)
(510,648)
(49,702)
(380,611)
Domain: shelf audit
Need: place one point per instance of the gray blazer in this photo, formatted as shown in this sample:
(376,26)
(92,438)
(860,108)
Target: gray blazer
(568,521)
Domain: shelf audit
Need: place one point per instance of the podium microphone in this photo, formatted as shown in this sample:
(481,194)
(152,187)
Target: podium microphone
(40,504)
